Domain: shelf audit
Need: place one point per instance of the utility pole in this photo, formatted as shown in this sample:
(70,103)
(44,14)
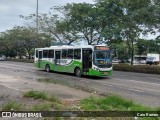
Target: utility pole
(36,30)
(37,18)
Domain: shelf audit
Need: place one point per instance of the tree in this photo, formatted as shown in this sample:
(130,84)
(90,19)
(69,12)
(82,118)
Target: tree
(106,20)
(158,44)
(135,21)
(82,19)
(27,38)
(11,38)
(54,27)
(22,40)
(5,46)
(120,50)
(109,19)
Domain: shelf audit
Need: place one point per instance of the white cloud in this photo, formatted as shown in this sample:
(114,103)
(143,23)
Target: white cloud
(3,7)
(11,9)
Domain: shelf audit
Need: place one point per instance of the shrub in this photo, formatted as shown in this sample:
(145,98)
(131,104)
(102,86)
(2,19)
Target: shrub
(137,68)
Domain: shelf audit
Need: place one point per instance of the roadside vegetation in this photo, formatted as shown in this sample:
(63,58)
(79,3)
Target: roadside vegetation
(41,95)
(12,105)
(101,103)
(114,102)
(35,95)
(151,69)
(39,101)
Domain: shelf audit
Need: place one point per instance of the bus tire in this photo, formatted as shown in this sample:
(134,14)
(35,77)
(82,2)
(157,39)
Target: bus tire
(78,72)
(47,68)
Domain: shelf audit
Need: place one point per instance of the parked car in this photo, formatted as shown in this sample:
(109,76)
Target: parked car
(116,60)
(2,58)
(135,62)
(142,61)
(153,59)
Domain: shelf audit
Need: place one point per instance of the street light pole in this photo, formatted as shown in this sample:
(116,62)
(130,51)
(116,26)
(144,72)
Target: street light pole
(36,29)
(37,17)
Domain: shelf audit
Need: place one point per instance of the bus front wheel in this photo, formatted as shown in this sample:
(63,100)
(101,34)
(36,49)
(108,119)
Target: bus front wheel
(78,72)
(47,68)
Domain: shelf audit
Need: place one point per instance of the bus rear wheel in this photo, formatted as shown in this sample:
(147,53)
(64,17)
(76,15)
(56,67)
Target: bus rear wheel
(47,68)
(78,72)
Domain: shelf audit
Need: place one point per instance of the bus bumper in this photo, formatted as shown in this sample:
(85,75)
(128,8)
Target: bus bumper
(98,73)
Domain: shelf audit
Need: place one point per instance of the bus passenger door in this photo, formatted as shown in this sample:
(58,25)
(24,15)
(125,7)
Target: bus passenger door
(57,57)
(39,59)
(86,59)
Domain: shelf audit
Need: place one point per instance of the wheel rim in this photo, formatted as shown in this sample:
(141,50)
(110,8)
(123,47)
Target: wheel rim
(47,68)
(78,72)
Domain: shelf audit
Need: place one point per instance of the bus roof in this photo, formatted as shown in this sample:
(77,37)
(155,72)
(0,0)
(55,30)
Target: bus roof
(68,46)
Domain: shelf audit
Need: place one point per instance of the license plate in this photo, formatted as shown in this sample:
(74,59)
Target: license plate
(105,72)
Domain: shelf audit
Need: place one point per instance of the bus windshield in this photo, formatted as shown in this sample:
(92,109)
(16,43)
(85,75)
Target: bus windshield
(102,58)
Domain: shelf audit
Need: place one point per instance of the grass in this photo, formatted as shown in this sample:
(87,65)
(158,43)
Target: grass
(54,99)
(35,95)
(49,103)
(47,106)
(41,95)
(12,105)
(113,102)
(42,107)
(109,103)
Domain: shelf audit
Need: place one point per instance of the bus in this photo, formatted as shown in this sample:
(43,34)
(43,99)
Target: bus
(140,59)
(92,60)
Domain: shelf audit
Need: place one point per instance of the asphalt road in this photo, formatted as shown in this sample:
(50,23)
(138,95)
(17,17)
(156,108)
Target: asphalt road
(17,78)
(140,87)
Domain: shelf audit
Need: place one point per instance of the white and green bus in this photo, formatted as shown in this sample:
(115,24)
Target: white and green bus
(80,60)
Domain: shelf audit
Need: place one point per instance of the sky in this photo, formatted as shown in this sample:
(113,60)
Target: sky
(10,10)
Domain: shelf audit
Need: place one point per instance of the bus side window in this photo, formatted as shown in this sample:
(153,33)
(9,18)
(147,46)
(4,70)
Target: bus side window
(45,53)
(36,53)
(51,54)
(64,53)
(77,53)
(70,54)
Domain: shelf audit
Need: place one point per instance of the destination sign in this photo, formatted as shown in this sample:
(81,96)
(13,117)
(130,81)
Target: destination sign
(101,48)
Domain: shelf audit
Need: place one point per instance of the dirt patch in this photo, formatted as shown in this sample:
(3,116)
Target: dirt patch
(29,103)
(69,102)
